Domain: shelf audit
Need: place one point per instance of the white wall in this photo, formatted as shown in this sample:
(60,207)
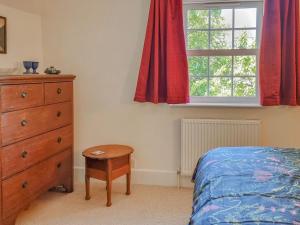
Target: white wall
(31,6)
(101,42)
(24,37)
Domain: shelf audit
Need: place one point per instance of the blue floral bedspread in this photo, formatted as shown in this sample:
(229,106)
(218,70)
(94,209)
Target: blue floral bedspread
(247,186)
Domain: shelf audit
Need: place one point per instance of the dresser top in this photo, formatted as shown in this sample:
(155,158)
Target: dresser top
(32,78)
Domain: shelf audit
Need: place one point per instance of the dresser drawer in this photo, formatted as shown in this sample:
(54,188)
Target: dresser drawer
(20,190)
(58,92)
(19,125)
(15,97)
(19,156)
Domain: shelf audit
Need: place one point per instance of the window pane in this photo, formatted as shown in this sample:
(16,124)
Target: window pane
(245,18)
(220,66)
(220,87)
(198,19)
(198,66)
(198,86)
(198,40)
(244,87)
(245,39)
(245,65)
(221,18)
(221,39)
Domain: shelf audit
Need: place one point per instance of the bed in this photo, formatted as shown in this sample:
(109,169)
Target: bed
(247,186)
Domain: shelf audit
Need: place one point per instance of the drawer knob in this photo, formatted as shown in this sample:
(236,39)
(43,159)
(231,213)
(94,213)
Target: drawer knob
(59,91)
(59,140)
(24,123)
(24,154)
(58,165)
(58,114)
(25,185)
(24,94)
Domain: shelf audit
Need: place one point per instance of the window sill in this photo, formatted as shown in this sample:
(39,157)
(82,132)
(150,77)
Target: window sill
(221,105)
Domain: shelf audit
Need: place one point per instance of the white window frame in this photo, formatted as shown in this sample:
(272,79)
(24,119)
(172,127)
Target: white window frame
(201,4)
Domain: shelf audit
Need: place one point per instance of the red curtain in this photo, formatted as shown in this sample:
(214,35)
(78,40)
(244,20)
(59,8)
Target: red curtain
(163,76)
(280,53)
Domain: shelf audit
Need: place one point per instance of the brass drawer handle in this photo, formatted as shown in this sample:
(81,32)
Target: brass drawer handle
(58,165)
(59,91)
(24,94)
(24,154)
(59,140)
(25,185)
(58,114)
(24,123)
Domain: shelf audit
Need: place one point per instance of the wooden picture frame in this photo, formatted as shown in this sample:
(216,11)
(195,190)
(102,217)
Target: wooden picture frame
(3,37)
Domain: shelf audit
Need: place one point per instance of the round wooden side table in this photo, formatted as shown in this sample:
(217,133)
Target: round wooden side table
(111,164)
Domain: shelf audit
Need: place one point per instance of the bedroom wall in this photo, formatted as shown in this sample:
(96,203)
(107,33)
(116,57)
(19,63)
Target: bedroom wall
(24,37)
(31,6)
(101,42)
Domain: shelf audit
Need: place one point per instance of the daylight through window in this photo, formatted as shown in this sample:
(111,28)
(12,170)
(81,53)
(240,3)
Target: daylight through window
(223,48)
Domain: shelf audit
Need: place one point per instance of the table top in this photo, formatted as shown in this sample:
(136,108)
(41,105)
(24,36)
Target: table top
(110,151)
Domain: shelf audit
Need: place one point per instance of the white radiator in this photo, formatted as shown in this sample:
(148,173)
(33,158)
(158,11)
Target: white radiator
(198,136)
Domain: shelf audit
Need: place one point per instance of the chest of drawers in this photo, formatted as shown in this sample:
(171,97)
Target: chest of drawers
(36,139)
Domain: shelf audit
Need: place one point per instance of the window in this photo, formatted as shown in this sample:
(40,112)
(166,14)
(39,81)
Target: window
(222,43)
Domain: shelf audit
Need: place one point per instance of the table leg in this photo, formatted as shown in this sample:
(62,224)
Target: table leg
(128,178)
(109,182)
(87,188)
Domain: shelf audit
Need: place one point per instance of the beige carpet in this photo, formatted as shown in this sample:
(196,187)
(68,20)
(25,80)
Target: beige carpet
(147,205)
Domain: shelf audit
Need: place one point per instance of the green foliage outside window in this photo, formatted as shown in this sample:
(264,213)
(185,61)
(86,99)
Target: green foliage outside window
(220,75)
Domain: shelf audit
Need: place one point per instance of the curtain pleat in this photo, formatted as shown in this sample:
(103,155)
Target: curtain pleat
(163,75)
(279,57)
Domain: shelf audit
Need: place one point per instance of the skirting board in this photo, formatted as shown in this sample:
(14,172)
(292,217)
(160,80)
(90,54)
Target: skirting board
(146,177)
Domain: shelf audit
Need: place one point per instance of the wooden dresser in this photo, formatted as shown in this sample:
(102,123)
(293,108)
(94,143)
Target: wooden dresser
(36,139)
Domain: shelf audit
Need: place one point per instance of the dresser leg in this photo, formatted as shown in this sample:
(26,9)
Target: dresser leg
(27,207)
(10,221)
(68,185)
(87,188)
